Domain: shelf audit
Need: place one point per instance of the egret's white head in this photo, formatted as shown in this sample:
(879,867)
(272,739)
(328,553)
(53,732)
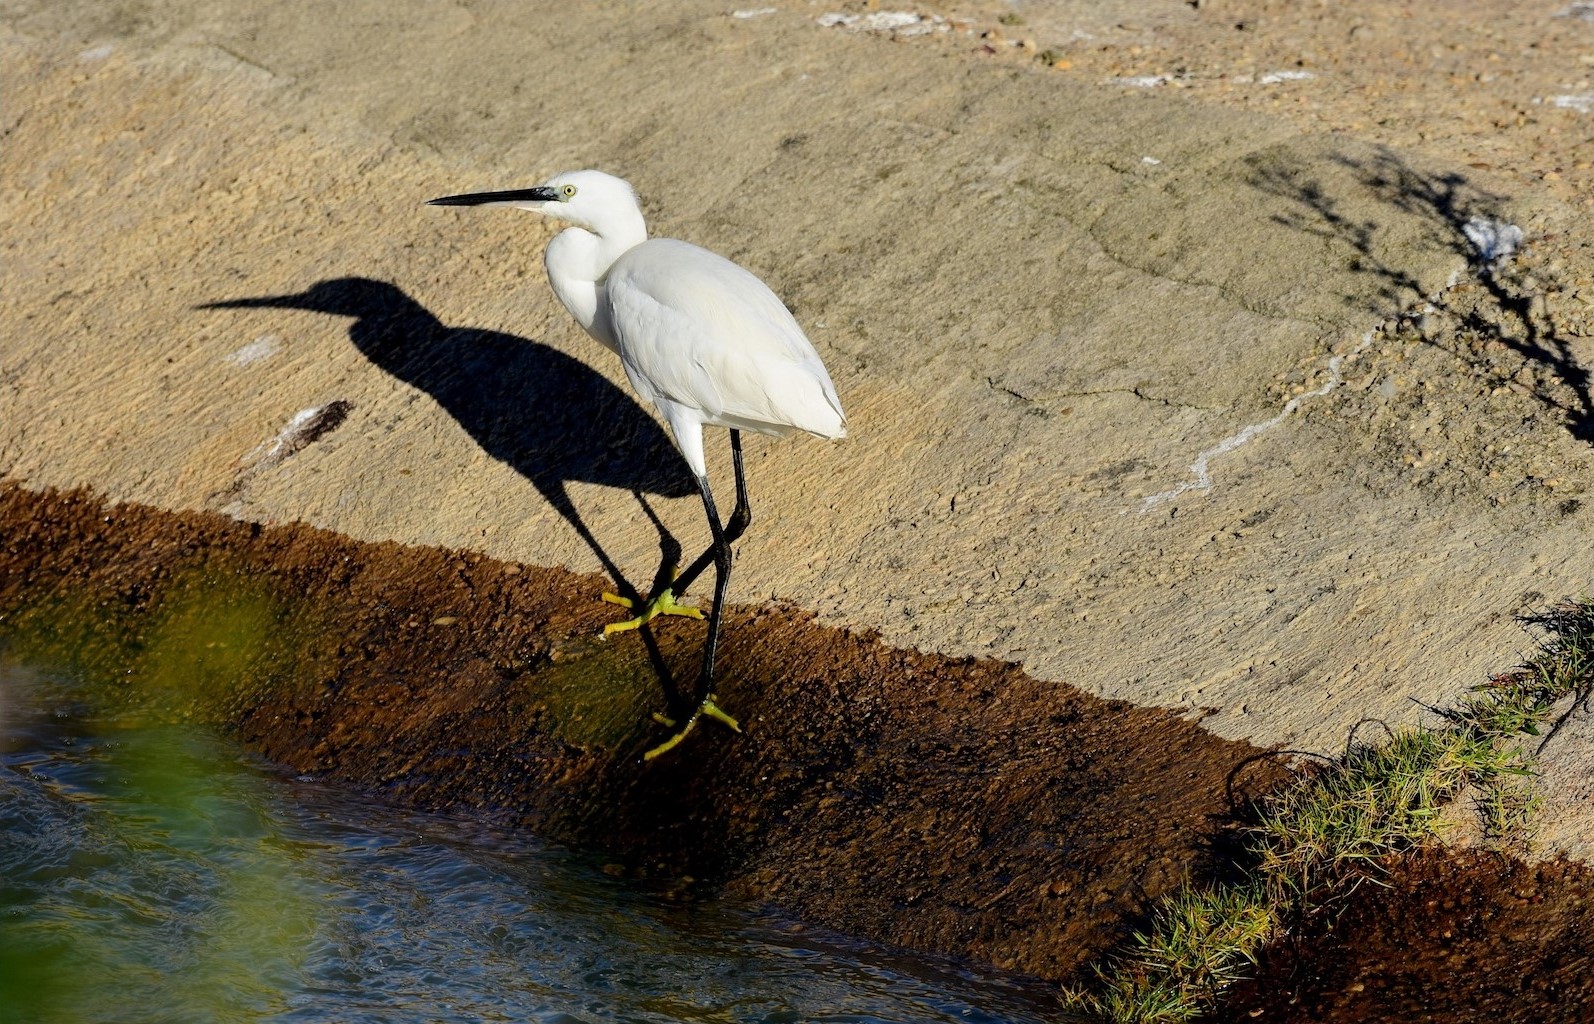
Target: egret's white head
(599,202)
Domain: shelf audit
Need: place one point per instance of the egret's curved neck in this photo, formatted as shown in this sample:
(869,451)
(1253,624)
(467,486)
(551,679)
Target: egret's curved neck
(577,262)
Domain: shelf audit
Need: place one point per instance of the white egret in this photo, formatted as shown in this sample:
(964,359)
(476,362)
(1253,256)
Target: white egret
(701,338)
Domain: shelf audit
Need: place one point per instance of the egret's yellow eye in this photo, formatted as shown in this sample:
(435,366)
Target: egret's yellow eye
(568,191)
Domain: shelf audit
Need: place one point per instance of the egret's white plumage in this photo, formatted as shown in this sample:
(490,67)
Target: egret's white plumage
(702,339)
(707,342)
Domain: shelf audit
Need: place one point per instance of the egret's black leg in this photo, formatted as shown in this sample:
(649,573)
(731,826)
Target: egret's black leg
(742,514)
(663,602)
(720,552)
(722,576)
(741,518)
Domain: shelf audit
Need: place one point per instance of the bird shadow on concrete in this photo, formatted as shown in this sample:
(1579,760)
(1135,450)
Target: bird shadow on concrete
(550,417)
(1459,216)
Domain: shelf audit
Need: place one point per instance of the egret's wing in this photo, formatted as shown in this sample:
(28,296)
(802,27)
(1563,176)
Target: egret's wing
(698,330)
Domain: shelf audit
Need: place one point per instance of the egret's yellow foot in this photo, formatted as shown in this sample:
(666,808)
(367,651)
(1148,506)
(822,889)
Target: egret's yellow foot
(664,604)
(715,712)
(707,709)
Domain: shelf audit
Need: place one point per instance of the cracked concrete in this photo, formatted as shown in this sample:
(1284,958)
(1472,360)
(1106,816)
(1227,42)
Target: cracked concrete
(1033,330)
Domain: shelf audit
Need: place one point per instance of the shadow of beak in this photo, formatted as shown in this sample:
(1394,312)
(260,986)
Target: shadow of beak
(263,302)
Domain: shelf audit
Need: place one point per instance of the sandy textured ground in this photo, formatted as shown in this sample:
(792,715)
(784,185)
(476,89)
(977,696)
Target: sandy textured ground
(1190,393)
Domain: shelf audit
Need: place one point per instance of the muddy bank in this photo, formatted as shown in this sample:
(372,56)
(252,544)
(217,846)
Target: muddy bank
(957,806)
(953,806)
(1449,938)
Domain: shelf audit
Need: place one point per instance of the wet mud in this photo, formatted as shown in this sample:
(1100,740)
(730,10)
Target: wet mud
(953,806)
(1474,937)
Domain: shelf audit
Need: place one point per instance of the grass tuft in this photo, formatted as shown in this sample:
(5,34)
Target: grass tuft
(1370,802)
(1200,942)
(1316,839)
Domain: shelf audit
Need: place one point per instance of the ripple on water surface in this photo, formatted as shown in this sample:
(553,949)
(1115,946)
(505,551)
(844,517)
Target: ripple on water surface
(149,871)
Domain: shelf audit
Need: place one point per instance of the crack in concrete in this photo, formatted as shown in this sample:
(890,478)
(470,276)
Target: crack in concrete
(1138,392)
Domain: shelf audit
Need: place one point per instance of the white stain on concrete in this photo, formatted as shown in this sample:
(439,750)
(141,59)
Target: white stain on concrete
(263,347)
(1275,77)
(899,23)
(1141,81)
(1494,240)
(1201,468)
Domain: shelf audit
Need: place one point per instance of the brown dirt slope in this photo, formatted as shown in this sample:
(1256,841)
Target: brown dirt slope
(949,805)
(1445,939)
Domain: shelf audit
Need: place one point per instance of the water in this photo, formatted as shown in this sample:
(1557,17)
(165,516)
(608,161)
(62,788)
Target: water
(149,871)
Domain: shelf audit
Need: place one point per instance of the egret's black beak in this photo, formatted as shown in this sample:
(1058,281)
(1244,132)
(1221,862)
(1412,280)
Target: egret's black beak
(540,194)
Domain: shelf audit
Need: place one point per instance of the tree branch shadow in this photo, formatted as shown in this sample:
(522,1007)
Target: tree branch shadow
(1458,216)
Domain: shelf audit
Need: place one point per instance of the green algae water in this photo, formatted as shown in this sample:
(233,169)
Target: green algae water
(150,871)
